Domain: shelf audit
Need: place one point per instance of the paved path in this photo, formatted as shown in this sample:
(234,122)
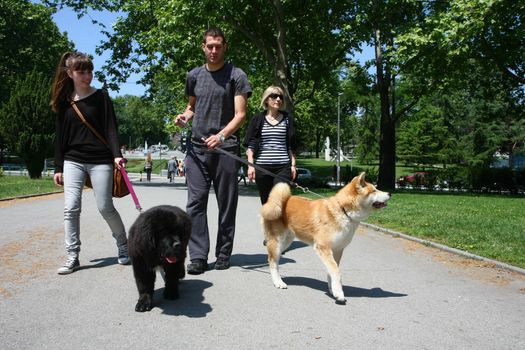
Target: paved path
(401,295)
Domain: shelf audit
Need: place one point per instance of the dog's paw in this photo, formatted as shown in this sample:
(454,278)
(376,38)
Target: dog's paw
(340,301)
(144,303)
(280,285)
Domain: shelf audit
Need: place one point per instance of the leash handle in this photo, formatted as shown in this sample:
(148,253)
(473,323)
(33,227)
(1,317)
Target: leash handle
(130,186)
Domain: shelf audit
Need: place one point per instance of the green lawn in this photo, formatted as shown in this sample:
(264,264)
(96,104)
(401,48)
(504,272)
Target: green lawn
(487,225)
(14,186)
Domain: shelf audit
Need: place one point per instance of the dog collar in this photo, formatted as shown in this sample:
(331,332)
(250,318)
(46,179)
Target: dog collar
(348,216)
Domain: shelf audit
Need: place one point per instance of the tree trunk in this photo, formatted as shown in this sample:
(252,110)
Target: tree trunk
(281,68)
(387,155)
(34,164)
(387,141)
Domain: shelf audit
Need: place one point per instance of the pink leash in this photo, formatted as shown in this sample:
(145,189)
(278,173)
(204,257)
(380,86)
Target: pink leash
(130,188)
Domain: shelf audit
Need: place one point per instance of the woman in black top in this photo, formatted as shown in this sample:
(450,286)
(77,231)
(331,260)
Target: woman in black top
(79,153)
(271,143)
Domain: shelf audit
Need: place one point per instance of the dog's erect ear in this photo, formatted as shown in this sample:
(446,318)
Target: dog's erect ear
(361,179)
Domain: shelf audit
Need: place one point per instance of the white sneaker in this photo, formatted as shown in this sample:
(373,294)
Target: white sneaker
(70,266)
(123,255)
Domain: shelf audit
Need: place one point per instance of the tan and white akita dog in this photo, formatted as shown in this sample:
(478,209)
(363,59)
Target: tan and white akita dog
(327,224)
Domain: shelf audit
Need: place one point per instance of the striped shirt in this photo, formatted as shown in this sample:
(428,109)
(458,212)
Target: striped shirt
(273,150)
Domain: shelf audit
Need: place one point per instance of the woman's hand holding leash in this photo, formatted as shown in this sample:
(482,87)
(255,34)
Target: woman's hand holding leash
(120,162)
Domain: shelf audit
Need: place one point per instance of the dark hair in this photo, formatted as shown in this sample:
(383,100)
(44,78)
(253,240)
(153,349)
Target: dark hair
(213,32)
(63,85)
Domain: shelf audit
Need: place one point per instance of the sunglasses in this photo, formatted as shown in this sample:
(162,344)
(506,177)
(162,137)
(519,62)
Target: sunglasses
(274,96)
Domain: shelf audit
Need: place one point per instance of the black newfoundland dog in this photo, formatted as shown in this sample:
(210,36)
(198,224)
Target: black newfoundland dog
(158,239)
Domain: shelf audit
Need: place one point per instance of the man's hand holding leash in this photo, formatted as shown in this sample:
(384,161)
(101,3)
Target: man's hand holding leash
(213,141)
(182,120)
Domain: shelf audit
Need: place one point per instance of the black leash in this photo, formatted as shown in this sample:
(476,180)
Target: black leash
(290,182)
(267,172)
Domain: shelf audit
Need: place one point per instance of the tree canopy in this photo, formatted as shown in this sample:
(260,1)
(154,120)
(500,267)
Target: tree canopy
(30,47)
(27,123)
(447,73)
(29,40)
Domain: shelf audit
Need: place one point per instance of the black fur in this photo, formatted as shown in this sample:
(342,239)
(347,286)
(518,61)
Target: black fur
(160,232)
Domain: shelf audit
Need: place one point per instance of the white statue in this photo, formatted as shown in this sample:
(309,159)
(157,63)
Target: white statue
(327,149)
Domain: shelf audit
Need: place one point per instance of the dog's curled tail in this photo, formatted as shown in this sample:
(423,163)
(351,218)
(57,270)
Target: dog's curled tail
(279,195)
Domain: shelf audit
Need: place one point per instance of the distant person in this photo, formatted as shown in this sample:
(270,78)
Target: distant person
(181,168)
(218,94)
(271,143)
(148,166)
(241,176)
(173,166)
(80,154)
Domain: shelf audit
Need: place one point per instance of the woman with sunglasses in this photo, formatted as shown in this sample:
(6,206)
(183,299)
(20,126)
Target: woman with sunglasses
(271,143)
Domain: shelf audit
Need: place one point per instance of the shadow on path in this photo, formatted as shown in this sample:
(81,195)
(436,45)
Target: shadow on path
(349,291)
(98,263)
(190,303)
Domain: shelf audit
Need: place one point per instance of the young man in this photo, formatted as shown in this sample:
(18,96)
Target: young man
(218,94)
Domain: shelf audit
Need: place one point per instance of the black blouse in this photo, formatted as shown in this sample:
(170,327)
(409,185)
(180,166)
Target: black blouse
(74,141)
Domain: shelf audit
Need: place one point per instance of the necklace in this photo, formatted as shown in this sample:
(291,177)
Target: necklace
(274,120)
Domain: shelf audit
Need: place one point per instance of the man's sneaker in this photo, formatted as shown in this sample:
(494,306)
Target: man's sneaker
(197,267)
(123,255)
(70,266)
(222,264)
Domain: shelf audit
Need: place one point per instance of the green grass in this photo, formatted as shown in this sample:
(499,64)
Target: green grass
(490,226)
(137,165)
(15,186)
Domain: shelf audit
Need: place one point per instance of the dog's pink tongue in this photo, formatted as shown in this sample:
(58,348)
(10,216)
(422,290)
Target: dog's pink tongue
(171,259)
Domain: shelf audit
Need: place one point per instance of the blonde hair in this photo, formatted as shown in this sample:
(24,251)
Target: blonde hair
(272,90)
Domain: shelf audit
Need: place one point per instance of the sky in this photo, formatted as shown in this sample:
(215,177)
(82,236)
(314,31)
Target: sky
(87,36)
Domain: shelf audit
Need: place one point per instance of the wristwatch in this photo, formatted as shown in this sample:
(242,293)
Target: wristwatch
(221,138)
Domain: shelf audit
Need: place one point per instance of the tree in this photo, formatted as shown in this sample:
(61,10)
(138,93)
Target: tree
(457,32)
(360,103)
(29,40)
(485,113)
(28,125)
(378,23)
(423,137)
(473,53)
(139,120)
